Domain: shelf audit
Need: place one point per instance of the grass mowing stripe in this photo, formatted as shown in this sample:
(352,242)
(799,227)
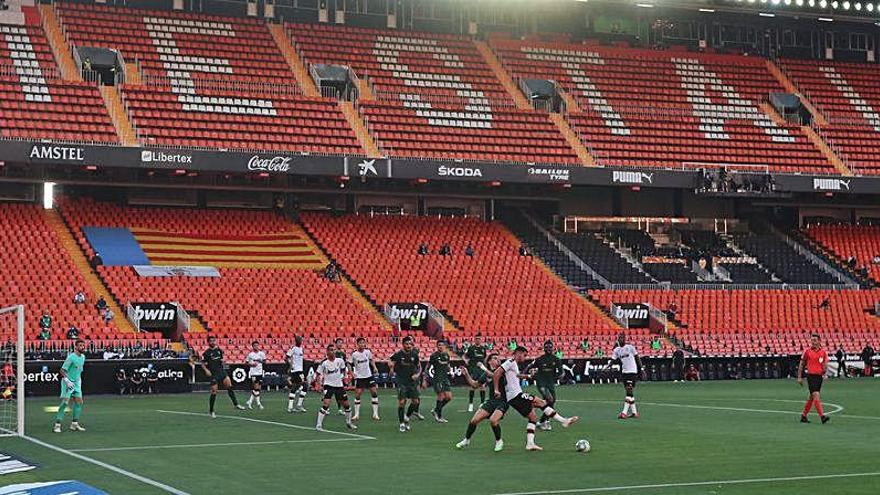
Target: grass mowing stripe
(115,469)
(229,444)
(837,407)
(276,423)
(698,483)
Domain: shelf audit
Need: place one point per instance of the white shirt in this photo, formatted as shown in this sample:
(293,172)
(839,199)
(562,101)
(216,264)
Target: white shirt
(332,371)
(295,358)
(512,386)
(360,361)
(627,355)
(256,358)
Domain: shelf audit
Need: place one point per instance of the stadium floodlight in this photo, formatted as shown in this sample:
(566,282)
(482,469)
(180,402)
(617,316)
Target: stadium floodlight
(766,14)
(823,4)
(826,19)
(707,10)
(811,3)
(48,195)
(858,6)
(645,5)
(870,7)
(834,4)
(787,2)
(845,5)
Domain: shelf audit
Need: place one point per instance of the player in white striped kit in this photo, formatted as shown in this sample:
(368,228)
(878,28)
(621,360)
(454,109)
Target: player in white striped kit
(365,372)
(296,379)
(255,359)
(332,370)
(630,370)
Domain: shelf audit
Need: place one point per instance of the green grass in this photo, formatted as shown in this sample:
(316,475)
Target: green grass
(672,443)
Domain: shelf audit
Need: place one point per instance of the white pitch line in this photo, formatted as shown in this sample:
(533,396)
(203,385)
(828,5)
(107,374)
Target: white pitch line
(228,444)
(837,407)
(118,470)
(698,483)
(276,423)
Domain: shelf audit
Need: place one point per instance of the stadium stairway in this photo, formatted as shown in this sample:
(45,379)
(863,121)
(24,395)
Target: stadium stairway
(99,288)
(826,150)
(575,142)
(285,44)
(360,130)
(60,48)
(502,75)
(805,239)
(120,120)
(791,88)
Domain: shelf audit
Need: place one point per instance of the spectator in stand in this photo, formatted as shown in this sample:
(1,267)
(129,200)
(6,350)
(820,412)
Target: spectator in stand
(423,249)
(45,334)
(692,374)
(101,304)
(511,345)
(867,355)
(825,304)
(600,353)
(108,316)
(152,380)
(656,345)
(469,251)
(96,260)
(137,382)
(445,250)
(672,310)
(45,320)
(851,261)
(331,272)
(678,365)
(72,333)
(585,345)
(79,298)
(841,362)
(875,260)
(524,250)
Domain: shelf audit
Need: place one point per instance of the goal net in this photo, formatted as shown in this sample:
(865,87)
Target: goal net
(12,371)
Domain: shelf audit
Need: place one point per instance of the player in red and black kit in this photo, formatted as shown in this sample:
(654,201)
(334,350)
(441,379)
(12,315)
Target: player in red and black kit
(815,359)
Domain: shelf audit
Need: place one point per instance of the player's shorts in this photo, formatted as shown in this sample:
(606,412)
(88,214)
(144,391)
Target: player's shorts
(441,385)
(629,379)
(478,375)
(547,390)
(410,391)
(296,378)
(218,378)
(814,383)
(364,383)
(492,405)
(256,378)
(337,392)
(522,404)
(67,393)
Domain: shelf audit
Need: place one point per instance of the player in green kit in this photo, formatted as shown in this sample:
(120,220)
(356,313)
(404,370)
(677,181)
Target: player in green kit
(494,409)
(439,362)
(71,386)
(212,363)
(476,370)
(406,366)
(546,370)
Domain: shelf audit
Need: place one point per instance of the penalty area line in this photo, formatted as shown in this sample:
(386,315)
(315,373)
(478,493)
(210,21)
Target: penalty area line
(275,423)
(227,444)
(110,467)
(698,483)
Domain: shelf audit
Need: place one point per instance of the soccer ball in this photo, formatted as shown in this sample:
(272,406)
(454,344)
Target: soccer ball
(582,445)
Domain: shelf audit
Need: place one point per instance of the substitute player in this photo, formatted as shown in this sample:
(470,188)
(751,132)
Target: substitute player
(522,402)
(493,409)
(406,367)
(296,378)
(365,372)
(212,364)
(630,369)
(71,386)
(255,360)
(331,370)
(475,356)
(439,362)
(546,370)
(815,360)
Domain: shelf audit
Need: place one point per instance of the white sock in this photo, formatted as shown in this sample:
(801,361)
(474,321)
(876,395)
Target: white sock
(321,413)
(375,402)
(632,407)
(530,434)
(257,396)
(348,416)
(625,407)
(290,399)
(357,408)
(552,414)
(251,398)
(302,397)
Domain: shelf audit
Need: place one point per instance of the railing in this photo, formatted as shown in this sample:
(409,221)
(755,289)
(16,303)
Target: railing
(221,85)
(819,262)
(721,272)
(619,316)
(446,102)
(731,167)
(47,73)
(132,317)
(183,319)
(781,286)
(701,272)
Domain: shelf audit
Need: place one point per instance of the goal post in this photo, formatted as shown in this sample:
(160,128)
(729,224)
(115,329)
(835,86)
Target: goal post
(12,371)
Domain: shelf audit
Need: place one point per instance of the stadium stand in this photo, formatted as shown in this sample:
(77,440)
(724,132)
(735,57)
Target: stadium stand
(38,272)
(859,241)
(649,108)
(35,103)
(435,96)
(846,95)
(210,81)
(780,258)
(593,250)
(253,298)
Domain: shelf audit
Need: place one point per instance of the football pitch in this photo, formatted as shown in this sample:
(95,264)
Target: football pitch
(695,438)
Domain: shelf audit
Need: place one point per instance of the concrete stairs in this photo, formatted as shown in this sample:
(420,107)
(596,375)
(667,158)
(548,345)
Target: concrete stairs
(502,75)
(285,44)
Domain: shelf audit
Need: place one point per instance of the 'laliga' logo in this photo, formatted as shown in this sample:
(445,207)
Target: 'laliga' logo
(239,375)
